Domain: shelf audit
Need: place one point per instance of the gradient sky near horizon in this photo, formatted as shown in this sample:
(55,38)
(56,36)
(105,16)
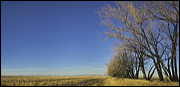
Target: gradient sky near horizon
(53,38)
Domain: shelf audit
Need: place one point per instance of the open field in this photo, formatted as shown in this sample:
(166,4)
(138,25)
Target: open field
(78,81)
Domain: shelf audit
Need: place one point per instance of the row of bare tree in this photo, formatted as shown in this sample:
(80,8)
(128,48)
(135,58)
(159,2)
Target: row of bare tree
(148,31)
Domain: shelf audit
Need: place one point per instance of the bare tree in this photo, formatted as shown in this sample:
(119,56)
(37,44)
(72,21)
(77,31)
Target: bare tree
(168,11)
(124,65)
(142,60)
(118,65)
(134,22)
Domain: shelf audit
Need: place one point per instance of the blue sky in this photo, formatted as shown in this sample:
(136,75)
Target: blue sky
(53,37)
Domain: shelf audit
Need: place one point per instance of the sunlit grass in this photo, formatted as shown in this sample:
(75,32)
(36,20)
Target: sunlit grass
(79,81)
(113,81)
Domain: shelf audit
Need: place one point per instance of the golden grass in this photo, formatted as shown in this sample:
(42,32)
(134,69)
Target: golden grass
(113,81)
(79,81)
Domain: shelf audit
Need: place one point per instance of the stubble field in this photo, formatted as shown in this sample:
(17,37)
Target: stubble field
(79,81)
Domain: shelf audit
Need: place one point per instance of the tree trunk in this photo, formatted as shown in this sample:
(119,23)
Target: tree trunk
(141,63)
(172,68)
(175,76)
(169,71)
(164,68)
(176,38)
(158,68)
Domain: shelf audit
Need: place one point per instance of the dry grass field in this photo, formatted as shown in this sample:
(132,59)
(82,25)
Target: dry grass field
(79,81)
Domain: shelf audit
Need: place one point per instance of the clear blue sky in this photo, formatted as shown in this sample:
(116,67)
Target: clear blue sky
(53,37)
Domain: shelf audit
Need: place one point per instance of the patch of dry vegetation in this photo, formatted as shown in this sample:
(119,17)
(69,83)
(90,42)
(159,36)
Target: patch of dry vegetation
(113,81)
(79,81)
